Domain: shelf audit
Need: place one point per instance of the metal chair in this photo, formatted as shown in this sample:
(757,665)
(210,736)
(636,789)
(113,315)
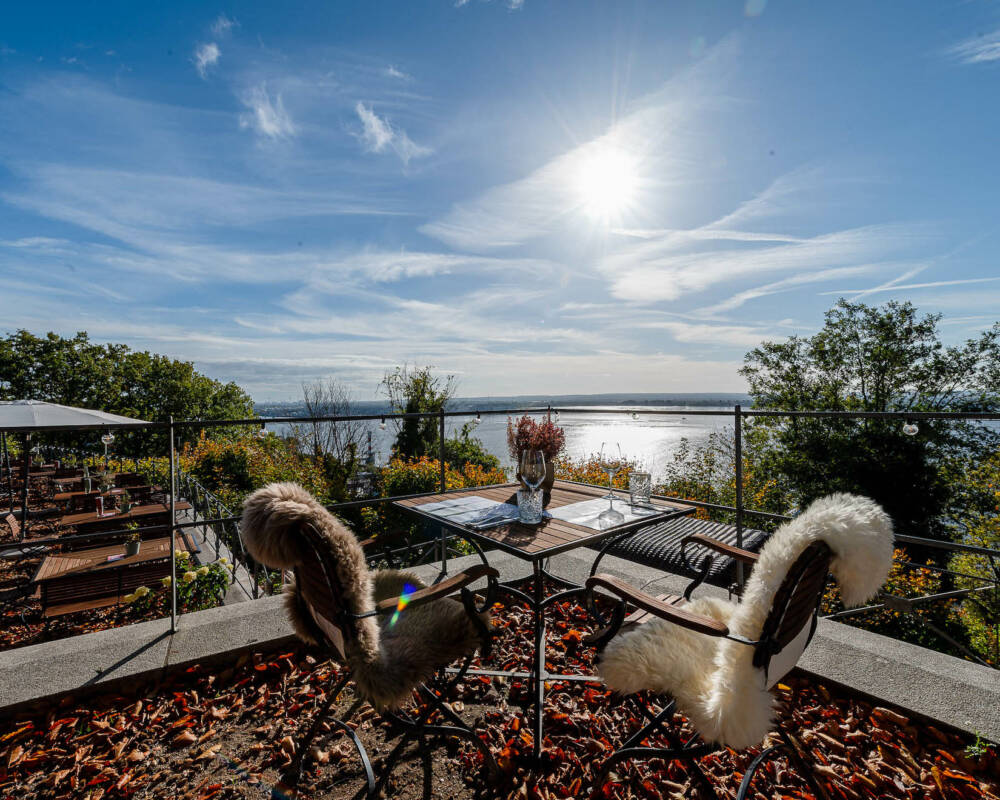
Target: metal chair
(713,648)
(394,635)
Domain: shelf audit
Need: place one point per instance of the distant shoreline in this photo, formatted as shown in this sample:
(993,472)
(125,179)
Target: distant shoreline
(618,399)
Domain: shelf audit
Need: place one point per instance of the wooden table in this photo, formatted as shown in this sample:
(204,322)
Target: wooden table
(535,543)
(87,520)
(117,491)
(84,579)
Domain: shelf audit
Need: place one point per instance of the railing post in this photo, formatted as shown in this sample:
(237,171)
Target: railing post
(173,543)
(442,541)
(738,435)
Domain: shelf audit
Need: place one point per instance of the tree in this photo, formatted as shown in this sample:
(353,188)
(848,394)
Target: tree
(410,391)
(340,440)
(877,359)
(112,377)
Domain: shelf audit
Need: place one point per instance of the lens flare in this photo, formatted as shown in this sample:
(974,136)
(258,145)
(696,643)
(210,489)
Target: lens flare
(404,601)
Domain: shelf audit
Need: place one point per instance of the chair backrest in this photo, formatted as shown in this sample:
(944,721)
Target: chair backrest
(322,595)
(15,525)
(790,624)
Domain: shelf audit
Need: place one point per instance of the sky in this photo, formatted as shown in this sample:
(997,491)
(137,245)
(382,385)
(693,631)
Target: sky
(537,197)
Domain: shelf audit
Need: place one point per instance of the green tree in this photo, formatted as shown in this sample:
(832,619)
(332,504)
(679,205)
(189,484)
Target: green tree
(410,391)
(112,377)
(883,358)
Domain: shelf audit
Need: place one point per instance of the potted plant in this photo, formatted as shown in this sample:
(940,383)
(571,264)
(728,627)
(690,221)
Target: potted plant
(526,434)
(132,540)
(126,502)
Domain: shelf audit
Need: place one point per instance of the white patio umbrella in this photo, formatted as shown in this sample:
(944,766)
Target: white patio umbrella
(29,416)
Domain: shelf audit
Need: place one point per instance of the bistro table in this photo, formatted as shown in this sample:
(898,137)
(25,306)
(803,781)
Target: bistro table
(82,580)
(573,523)
(89,520)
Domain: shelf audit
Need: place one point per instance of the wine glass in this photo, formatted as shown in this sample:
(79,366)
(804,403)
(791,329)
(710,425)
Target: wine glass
(610,460)
(532,468)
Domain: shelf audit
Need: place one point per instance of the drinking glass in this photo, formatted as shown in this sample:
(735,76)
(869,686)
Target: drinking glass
(640,487)
(529,506)
(610,460)
(532,474)
(532,468)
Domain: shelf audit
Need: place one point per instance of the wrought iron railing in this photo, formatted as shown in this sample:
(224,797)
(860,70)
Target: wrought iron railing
(224,523)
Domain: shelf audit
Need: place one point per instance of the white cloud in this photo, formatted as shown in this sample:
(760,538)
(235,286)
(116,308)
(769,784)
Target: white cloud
(223,25)
(892,286)
(733,335)
(978,49)
(655,270)
(785,284)
(266,115)
(398,74)
(378,134)
(205,56)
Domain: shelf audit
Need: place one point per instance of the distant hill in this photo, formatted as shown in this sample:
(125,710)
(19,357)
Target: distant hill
(628,400)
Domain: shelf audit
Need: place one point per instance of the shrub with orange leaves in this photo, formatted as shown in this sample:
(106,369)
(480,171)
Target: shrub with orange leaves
(915,624)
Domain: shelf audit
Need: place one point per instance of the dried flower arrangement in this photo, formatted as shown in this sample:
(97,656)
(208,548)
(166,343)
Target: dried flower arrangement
(526,434)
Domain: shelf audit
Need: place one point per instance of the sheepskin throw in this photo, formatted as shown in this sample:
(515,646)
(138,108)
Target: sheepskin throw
(387,659)
(713,680)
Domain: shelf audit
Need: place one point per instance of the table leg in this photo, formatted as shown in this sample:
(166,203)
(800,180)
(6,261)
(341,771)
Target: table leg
(539,670)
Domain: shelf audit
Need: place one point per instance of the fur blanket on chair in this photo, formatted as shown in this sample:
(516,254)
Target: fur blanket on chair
(713,680)
(387,660)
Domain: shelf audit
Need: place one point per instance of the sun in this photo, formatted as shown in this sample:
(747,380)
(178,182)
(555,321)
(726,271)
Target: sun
(607,183)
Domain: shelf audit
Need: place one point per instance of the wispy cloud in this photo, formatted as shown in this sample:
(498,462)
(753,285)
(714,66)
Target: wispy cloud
(398,74)
(378,135)
(978,49)
(206,56)
(728,335)
(266,114)
(785,284)
(894,287)
(656,270)
(223,25)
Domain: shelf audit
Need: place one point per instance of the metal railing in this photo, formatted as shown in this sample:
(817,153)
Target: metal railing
(225,524)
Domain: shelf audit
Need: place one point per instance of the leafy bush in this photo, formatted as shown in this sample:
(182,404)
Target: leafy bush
(588,470)
(197,589)
(393,527)
(908,582)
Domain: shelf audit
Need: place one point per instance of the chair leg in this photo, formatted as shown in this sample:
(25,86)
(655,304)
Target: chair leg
(794,756)
(632,749)
(294,772)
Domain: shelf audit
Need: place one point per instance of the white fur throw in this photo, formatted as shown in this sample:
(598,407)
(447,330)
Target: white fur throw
(713,679)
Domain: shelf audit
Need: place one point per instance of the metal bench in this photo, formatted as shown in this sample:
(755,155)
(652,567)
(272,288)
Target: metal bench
(659,546)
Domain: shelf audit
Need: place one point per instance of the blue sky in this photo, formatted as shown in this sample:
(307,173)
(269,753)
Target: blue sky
(539,197)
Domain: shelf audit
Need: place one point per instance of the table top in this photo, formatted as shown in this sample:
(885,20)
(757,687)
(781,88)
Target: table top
(551,536)
(117,491)
(85,517)
(76,562)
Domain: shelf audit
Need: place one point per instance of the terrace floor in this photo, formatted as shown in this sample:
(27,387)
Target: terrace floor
(208,713)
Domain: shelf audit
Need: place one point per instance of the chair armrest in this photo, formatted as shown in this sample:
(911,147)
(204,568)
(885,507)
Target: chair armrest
(367,542)
(439,590)
(678,616)
(721,547)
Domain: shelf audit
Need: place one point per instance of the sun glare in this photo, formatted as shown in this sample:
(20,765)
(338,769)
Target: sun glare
(607,183)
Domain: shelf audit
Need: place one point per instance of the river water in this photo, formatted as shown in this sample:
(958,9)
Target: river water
(649,439)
